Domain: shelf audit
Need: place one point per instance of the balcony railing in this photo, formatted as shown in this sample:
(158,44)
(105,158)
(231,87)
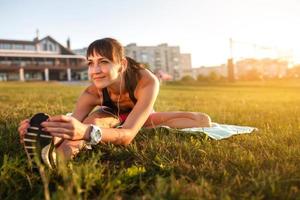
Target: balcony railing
(42,65)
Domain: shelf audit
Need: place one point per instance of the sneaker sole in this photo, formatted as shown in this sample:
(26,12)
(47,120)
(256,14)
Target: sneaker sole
(36,140)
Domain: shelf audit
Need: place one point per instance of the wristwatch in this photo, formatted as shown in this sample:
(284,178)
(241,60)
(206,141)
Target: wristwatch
(95,135)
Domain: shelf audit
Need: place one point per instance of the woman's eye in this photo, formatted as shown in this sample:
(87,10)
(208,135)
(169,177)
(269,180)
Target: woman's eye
(104,62)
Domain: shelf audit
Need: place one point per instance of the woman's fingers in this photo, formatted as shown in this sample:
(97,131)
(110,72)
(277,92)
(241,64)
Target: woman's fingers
(61,135)
(23,123)
(57,124)
(60,118)
(23,126)
(58,130)
(23,129)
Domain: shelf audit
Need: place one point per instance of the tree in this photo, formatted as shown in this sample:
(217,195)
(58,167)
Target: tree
(213,76)
(200,78)
(187,78)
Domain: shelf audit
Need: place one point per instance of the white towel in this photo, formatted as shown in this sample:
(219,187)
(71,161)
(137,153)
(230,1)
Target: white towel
(222,131)
(216,131)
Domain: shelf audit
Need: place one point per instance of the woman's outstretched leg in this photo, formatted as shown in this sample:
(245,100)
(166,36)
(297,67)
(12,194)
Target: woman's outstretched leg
(69,148)
(178,119)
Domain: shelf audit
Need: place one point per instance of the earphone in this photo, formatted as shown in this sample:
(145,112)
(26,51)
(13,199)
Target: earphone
(119,97)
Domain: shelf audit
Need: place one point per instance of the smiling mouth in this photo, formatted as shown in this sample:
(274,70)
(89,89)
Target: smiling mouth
(98,77)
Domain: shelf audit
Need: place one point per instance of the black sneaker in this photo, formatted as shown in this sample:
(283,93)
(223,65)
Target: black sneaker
(39,145)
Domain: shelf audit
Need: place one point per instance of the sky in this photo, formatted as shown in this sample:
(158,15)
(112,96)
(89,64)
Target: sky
(258,28)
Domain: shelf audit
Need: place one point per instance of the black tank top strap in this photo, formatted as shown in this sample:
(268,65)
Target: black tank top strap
(107,100)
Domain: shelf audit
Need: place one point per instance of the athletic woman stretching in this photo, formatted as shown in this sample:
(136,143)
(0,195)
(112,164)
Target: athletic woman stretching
(126,93)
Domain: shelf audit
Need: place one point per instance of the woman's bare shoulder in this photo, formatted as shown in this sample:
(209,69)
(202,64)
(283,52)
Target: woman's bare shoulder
(147,78)
(92,90)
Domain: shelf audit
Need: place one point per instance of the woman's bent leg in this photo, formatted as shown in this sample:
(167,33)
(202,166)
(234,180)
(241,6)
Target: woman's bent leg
(178,119)
(69,148)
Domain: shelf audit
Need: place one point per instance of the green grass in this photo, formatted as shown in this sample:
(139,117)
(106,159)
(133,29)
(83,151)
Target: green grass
(160,164)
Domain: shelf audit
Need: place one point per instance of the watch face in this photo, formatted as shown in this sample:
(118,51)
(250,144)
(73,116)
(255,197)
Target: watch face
(96,135)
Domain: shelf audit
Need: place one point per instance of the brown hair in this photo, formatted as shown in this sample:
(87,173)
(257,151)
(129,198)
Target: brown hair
(114,51)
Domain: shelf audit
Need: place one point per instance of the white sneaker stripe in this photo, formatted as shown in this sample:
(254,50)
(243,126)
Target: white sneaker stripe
(32,134)
(34,128)
(46,136)
(29,140)
(29,147)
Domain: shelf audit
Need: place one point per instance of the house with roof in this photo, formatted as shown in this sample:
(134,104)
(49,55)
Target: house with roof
(40,59)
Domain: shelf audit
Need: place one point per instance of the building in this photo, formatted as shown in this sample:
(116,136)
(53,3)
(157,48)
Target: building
(220,71)
(158,58)
(40,59)
(80,51)
(186,63)
(247,69)
(269,68)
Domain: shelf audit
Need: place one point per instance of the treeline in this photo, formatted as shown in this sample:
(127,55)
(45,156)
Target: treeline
(251,75)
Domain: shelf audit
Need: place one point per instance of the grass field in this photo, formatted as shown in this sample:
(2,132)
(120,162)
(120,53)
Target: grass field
(161,164)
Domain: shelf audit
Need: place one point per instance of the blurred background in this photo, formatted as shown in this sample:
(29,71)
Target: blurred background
(177,39)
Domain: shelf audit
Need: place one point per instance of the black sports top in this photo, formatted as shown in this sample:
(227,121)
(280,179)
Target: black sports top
(107,102)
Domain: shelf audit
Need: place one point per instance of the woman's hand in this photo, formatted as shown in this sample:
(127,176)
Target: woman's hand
(23,126)
(66,127)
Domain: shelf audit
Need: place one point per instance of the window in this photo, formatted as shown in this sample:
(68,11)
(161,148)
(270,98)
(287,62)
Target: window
(157,64)
(5,46)
(45,47)
(18,46)
(144,57)
(126,51)
(29,47)
(134,55)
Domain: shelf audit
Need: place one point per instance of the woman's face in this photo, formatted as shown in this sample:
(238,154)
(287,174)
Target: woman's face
(102,71)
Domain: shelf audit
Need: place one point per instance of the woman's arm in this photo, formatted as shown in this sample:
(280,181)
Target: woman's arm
(86,102)
(146,94)
(72,129)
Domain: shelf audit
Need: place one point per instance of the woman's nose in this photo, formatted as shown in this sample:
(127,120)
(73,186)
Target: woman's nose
(95,69)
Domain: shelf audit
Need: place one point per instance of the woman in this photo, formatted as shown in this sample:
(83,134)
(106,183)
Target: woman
(125,92)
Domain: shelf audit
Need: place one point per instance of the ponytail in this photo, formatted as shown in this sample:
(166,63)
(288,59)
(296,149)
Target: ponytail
(132,75)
